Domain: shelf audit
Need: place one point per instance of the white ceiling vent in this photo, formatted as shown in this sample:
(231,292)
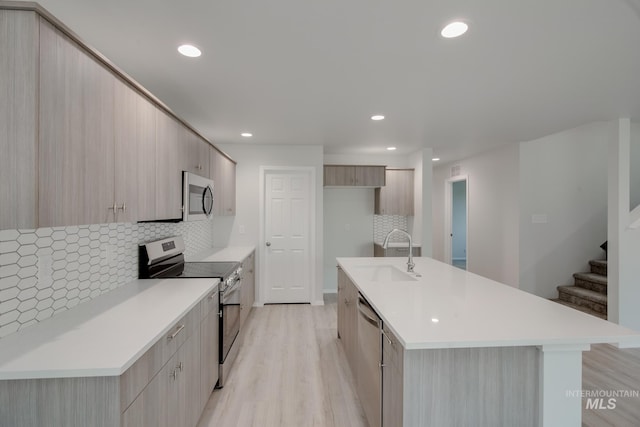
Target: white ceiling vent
(455,170)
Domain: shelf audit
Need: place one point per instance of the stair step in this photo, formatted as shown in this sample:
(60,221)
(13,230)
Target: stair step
(595,301)
(599,266)
(581,308)
(591,281)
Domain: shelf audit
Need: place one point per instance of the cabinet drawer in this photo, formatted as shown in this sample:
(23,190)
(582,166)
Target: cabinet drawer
(392,350)
(401,251)
(209,303)
(135,379)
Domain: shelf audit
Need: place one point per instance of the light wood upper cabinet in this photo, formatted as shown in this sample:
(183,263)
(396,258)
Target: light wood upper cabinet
(135,151)
(223,173)
(353,176)
(196,152)
(169,162)
(396,197)
(18,114)
(76,183)
(81,144)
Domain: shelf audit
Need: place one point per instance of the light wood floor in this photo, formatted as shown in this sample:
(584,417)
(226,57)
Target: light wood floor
(292,371)
(607,368)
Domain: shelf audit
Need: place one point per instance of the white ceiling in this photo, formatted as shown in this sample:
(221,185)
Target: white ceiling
(313,72)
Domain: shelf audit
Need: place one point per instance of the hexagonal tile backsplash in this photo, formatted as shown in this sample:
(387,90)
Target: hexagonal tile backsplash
(49,270)
(382,224)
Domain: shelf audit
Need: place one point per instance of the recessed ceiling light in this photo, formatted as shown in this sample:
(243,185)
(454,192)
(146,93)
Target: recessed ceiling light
(435,320)
(391,148)
(189,50)
(435,159)
(454,29)
(377,117)
(246,134)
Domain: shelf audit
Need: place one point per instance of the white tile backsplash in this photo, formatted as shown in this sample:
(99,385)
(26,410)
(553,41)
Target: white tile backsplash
(383,224)
(49,270)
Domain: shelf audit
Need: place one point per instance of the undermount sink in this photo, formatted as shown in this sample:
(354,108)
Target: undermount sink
(383,273)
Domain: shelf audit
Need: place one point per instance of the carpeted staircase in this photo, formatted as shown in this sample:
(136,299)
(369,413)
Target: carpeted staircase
(589,292)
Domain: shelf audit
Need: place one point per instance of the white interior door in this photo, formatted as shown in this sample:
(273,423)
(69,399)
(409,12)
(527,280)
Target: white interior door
(287,237)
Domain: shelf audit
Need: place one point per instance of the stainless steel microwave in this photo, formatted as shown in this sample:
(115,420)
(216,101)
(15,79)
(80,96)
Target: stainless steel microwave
(197,197)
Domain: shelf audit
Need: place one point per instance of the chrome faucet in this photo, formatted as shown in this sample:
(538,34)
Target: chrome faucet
(410,263)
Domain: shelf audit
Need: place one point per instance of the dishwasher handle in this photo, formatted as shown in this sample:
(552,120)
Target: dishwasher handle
(367,312)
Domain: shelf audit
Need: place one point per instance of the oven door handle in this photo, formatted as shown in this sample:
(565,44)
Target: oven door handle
(230,288)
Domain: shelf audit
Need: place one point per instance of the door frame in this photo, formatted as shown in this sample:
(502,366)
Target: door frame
(448,211)
(311,172)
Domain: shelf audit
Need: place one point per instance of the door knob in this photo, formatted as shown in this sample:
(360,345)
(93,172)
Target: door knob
(268,243)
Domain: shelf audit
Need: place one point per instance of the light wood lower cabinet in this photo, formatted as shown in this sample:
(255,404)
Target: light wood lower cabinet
(248,289)
(392,378)
(209,334)
(163,388)
(348,318)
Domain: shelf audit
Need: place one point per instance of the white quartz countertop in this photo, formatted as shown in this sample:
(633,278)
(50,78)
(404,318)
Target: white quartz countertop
(104,336)
(232,253)
(451,308)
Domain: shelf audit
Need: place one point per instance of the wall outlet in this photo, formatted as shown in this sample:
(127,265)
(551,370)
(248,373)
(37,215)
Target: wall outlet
(539,219)
(241,229)
(347,227)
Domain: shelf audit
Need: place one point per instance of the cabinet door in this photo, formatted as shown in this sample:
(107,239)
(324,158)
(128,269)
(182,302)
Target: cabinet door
(229,202)
(209,352)
(196,159)
(339,175)
(223,172)
(247,292)
(135,152)
(188,372)
(18,119)
(348,318)
(152,407)
(396,197)
(370,176)
(169,162)
(76,181)
(392,380)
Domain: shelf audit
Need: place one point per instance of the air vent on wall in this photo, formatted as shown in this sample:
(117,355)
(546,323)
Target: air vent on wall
(455,170)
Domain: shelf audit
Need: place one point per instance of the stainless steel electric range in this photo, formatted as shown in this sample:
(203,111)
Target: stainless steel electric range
(164,259)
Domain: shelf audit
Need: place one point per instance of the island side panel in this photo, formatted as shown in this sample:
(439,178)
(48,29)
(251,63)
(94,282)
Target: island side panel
(60,402)
(471,386)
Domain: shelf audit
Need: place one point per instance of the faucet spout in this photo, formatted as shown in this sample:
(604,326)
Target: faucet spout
(410,263)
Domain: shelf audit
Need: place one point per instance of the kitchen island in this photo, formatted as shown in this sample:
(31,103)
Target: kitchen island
(461,349)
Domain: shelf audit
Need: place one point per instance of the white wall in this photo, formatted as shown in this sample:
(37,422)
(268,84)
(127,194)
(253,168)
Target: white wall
(348,228)
(624,242)
(492,239)
(635,165)
(420,223)
(227,231)
(563,206)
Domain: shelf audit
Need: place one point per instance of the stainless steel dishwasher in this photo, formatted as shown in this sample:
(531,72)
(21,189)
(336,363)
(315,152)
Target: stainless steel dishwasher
(369,375)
